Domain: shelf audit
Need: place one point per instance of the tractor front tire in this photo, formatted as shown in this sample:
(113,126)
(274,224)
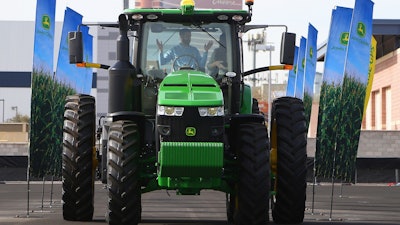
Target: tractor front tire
(77,158)
(124,189)
(253,185)
(288,118)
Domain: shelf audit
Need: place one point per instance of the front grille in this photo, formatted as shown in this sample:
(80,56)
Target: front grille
(191,118)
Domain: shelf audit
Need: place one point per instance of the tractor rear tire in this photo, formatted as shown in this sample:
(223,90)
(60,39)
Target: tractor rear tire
(77,158)
(124,189)
(253,185)
(288,204)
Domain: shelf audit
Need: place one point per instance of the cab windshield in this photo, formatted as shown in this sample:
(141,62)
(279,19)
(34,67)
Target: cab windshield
(169,47)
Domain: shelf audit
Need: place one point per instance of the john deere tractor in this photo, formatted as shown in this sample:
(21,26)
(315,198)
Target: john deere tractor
(184,126)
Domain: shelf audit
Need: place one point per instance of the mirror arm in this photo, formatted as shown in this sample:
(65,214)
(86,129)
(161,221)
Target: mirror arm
(92,65)
(267,68)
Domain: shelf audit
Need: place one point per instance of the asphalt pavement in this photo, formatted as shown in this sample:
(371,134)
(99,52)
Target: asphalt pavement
(371,204)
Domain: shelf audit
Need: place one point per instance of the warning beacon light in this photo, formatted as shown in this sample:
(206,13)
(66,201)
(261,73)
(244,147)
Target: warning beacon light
(187,7)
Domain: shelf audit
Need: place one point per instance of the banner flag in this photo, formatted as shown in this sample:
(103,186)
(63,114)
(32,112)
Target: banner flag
(371,72)
(292,75)
(310,70)
(354,87)
(68,74)
(299,88)
(48,99)
(331,89)
(44,36)
(42,139)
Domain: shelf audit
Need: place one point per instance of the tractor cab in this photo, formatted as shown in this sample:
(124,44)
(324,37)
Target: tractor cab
(188,54)
(202,43)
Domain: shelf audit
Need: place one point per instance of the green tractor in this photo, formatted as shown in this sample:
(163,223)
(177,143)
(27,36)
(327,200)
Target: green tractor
(183,123)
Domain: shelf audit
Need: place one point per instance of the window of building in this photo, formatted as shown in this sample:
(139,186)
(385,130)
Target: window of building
(386,111)
(386,44)
(374,95)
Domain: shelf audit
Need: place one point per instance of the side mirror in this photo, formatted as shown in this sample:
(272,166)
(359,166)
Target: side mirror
(75,47)
(288,44)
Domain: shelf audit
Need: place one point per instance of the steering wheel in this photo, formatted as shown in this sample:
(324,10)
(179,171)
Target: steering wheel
(185,62)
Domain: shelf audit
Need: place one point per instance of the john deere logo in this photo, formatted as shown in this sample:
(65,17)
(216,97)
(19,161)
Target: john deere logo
(344,38)
(361,30)
(190,131)
(311,52)
(46,22)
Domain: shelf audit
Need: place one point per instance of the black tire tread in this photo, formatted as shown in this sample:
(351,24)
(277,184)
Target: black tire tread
(124,194)
(253,185)
(288,114)
(77,158)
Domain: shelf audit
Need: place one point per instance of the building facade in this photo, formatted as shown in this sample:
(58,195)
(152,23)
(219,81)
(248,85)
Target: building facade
(383,111)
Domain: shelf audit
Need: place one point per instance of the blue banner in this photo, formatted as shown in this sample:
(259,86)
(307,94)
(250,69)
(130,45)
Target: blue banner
(292,75)
(357,61)
(310,69)
(354,87)
(45,121)
(311,60)
(44,36)
(68,74)
(337,45)
(329,101)
(299,88)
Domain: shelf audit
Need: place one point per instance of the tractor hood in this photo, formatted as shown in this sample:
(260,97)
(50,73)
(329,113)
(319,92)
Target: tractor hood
(189,88)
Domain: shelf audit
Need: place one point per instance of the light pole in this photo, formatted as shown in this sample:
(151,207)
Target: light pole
(269,77)
(2,100)
(268,48)
(16,110)
(253,42)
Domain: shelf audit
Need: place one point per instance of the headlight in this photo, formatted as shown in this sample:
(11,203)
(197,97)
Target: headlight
(211,111)
(237,18)
(169,110)
(137,16)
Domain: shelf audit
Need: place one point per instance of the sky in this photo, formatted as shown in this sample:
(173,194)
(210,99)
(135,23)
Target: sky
(296,14)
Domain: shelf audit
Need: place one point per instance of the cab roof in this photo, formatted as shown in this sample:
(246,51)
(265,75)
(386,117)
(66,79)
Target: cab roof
(176,15)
